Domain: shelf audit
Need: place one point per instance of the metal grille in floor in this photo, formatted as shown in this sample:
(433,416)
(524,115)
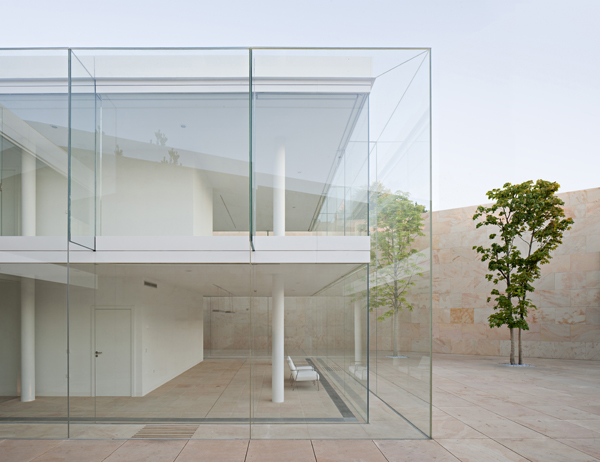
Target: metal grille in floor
(166,431)
(332,369)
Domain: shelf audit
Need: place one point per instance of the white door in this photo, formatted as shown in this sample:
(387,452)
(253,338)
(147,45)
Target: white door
(112,355)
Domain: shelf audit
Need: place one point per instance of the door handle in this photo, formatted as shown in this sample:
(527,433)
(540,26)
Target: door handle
(98,353)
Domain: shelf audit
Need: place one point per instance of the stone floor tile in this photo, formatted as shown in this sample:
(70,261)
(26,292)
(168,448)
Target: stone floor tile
(336,432)
(280,450)
(566,413)
(24,450)
(391,430)
(80,451)
(276,432)
(479,450)
(214,451)
(147,451)
(593,425)
(220,432)
(557,428)
(414,451)
(347,450)
(450,429)
(545,450)
(39,431)
(438,414)
(104,431)
(590,446)
(502,428)
(471,413)
(510,410)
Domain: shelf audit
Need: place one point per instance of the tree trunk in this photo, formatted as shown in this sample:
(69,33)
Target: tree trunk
(512,346)
(520,348)
(394,334)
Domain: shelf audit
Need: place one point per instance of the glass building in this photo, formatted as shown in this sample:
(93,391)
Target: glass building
(181,228)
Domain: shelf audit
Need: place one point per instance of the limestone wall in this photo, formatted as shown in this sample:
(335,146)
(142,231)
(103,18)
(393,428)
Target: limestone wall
(566,324)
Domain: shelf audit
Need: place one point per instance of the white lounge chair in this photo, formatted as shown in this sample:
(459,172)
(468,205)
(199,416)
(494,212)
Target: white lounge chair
(302,374)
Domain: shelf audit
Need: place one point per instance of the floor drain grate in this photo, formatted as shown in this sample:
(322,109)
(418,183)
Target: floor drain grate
(332,369)
(166,431)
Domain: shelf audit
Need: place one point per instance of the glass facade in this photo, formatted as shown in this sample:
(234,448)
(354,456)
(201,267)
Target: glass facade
(215,243)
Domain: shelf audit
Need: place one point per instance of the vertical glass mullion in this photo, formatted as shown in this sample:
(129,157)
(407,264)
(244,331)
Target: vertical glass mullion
(250,149)
(430,260)
(69,52)
(251,206)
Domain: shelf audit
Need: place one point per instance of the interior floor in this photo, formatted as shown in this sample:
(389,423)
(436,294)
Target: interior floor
(214,398)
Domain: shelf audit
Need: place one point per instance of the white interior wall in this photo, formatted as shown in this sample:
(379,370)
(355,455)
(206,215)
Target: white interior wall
(142,198)
(51,198)
(10,337)
(203,204)
(171,332)
(50,338)
(167,335)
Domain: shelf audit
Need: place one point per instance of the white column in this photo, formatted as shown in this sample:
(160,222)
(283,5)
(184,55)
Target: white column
(279,191)
(277,336)
(357,333)
(28,192)
(27,339)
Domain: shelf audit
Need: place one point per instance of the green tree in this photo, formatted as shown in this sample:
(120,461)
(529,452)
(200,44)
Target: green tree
(399,221)
(531,222)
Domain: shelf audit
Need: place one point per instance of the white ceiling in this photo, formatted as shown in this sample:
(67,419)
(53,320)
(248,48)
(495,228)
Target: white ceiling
(239,279)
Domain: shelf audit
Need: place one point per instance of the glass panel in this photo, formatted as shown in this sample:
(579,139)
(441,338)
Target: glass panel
(161,333)
(334,133)
(84,127)
(33,205)
(33,142)
(310,142)
(143,358)
(170,320)
(310,317)
(400,277)
(174,145)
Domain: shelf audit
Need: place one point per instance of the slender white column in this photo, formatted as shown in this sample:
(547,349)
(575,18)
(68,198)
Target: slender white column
(28,192)
(27,339)
(357,333)
(277,337)
(279,191)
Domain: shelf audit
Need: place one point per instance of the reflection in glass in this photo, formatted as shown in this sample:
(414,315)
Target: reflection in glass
(33,206)
(183,230)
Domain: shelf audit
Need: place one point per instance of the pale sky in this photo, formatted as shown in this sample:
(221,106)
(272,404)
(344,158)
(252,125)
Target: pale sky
(516,83)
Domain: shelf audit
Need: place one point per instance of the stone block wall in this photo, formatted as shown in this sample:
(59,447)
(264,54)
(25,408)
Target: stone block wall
(566,324)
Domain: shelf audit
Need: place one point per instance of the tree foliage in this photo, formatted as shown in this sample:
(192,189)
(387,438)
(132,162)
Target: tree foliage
(399,222)
(531,222)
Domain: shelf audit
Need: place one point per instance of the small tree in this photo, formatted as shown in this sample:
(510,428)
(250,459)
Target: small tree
(399,223)
(531,224)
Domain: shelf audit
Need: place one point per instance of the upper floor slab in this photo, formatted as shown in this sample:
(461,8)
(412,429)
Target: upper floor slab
(187,249)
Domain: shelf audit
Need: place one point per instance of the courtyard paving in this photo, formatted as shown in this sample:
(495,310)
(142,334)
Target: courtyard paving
(483,411)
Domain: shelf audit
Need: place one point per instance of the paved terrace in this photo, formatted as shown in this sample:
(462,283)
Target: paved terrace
(482,412)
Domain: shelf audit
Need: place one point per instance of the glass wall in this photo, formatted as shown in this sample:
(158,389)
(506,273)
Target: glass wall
(173,140)
(215,243)
(313,328)
(400,206)
(310,142)
(33,243)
